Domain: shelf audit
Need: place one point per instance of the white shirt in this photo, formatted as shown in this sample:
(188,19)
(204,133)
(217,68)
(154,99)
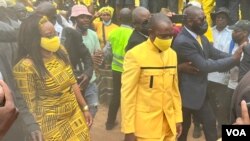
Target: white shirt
(222,41)
(195,36)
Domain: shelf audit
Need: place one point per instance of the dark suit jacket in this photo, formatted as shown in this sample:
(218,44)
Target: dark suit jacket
(193,87)
(135,39)
(78,52)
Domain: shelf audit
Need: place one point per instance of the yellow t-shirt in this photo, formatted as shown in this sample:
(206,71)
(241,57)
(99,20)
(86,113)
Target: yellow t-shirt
(108,29)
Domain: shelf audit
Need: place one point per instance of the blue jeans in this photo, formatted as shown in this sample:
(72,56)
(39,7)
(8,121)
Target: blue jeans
(91,97)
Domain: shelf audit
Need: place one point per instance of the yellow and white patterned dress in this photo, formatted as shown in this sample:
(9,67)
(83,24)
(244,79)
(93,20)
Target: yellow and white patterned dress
(52,102)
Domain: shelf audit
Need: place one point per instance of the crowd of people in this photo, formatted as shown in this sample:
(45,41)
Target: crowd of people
(165,75)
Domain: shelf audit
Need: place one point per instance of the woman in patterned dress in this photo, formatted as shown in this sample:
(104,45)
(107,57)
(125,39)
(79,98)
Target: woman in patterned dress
(46,81)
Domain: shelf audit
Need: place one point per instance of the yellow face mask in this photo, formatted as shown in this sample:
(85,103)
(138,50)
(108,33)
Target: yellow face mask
(50,44)
(162,44)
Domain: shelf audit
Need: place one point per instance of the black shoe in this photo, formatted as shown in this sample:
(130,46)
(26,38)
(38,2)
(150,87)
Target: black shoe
(197,131)
(110,126)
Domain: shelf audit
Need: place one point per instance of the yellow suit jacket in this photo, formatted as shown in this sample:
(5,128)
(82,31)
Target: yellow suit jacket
(150,91)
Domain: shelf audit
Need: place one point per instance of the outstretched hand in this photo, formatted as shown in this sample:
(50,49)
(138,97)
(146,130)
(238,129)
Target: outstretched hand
(238,53)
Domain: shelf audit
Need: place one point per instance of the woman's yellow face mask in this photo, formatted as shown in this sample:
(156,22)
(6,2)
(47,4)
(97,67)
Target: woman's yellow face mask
(49,40)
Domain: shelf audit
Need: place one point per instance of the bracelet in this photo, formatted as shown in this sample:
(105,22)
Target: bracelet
(85,108)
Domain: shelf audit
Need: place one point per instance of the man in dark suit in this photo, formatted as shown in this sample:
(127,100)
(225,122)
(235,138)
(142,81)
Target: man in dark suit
(140,17)
(191,45)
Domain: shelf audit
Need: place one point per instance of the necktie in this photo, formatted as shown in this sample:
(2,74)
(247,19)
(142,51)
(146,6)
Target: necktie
(198,38)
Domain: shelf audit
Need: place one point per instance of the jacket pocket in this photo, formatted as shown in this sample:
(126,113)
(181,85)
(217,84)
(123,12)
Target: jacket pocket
(151,81)
(147,91)
(170,76)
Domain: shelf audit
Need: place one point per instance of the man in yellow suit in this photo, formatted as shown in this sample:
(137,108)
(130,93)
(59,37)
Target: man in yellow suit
(150,98)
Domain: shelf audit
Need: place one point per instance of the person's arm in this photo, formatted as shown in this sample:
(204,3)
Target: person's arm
(72,40)
(98,54)
(24,77)
(215,53)
(83,56)
(108,56)
(82,103)
(83,53)
(87,61)
(8,33)
(25,95)
(187,67)
(177,103)
(190,53)
(130,78)
(8,112)
(96,15)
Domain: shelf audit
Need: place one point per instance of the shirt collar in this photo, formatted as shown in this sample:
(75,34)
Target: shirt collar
(225,29)
(145,36)
(191,32)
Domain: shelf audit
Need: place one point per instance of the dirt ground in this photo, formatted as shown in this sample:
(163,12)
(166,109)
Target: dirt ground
(99,133)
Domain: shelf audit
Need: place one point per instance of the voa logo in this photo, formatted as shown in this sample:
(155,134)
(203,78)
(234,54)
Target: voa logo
(236,132)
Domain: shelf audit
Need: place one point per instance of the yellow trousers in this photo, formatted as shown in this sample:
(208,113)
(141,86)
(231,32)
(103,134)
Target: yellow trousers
(163,138)
(167,134)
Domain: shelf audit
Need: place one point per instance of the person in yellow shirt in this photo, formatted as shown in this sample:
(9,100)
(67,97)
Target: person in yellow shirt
(104,27)
(150,97)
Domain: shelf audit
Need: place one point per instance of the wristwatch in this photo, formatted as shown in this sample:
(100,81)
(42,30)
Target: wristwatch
(85,108)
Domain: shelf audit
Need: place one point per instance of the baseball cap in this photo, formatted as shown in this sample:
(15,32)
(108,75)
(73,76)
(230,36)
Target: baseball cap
(220,10)
(242,24)
(79,10)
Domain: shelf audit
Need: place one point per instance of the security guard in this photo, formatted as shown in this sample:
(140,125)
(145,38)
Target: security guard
(118,39)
